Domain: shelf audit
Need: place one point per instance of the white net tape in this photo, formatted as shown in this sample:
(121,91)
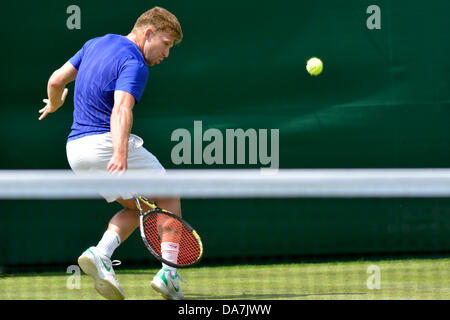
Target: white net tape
(231,183)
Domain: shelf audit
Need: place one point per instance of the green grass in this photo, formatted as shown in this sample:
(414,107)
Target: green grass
(399,279)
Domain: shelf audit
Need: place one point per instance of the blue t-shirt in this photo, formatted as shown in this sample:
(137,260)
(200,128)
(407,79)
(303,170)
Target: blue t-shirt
(104,64)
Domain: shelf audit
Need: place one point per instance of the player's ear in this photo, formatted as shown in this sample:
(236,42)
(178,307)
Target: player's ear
(148,32)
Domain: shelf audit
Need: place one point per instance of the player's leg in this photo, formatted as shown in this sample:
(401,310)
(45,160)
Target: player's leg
(87,155)
(166,281)
(169,237)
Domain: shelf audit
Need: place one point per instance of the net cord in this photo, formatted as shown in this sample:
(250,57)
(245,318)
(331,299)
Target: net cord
(228,183)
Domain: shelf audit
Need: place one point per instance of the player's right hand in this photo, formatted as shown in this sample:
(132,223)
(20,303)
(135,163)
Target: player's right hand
(52,107)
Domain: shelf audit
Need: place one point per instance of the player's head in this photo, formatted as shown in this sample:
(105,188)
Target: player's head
(158,30)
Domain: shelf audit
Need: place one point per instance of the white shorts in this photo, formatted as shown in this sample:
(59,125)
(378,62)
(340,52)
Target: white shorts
(93,153)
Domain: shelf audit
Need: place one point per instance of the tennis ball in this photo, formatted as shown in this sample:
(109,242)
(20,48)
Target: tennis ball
(314,66)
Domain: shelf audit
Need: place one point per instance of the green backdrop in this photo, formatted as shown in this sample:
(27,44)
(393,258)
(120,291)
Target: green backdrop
(383,101)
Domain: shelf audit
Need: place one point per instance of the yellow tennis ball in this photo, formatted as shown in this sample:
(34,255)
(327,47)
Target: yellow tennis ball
(314,66)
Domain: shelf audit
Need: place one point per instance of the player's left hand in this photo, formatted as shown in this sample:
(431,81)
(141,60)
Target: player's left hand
(118,164)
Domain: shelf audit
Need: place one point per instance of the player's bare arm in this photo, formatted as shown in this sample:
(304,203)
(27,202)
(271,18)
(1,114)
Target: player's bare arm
(56,88)
(121,123)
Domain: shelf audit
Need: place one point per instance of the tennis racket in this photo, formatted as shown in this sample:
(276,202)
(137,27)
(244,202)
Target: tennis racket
(159,225)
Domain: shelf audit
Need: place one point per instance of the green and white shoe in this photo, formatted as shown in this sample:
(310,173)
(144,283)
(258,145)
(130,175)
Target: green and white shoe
(100,268)
(167,284)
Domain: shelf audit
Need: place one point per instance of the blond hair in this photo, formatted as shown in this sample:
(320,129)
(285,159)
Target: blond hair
(161,20)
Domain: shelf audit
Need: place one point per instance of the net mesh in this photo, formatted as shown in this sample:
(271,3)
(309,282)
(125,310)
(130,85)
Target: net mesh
(275,247)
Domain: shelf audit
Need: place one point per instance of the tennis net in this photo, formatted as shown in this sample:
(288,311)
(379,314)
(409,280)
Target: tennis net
(284,234)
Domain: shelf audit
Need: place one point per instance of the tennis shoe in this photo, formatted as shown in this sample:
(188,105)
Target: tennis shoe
(100,268)
(166,283)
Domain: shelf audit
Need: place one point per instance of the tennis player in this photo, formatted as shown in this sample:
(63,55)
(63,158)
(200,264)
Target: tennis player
(111,74)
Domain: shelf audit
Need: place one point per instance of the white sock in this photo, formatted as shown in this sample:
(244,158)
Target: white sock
(169,252)
(109,242)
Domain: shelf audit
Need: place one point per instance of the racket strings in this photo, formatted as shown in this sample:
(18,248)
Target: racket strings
(160,228)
